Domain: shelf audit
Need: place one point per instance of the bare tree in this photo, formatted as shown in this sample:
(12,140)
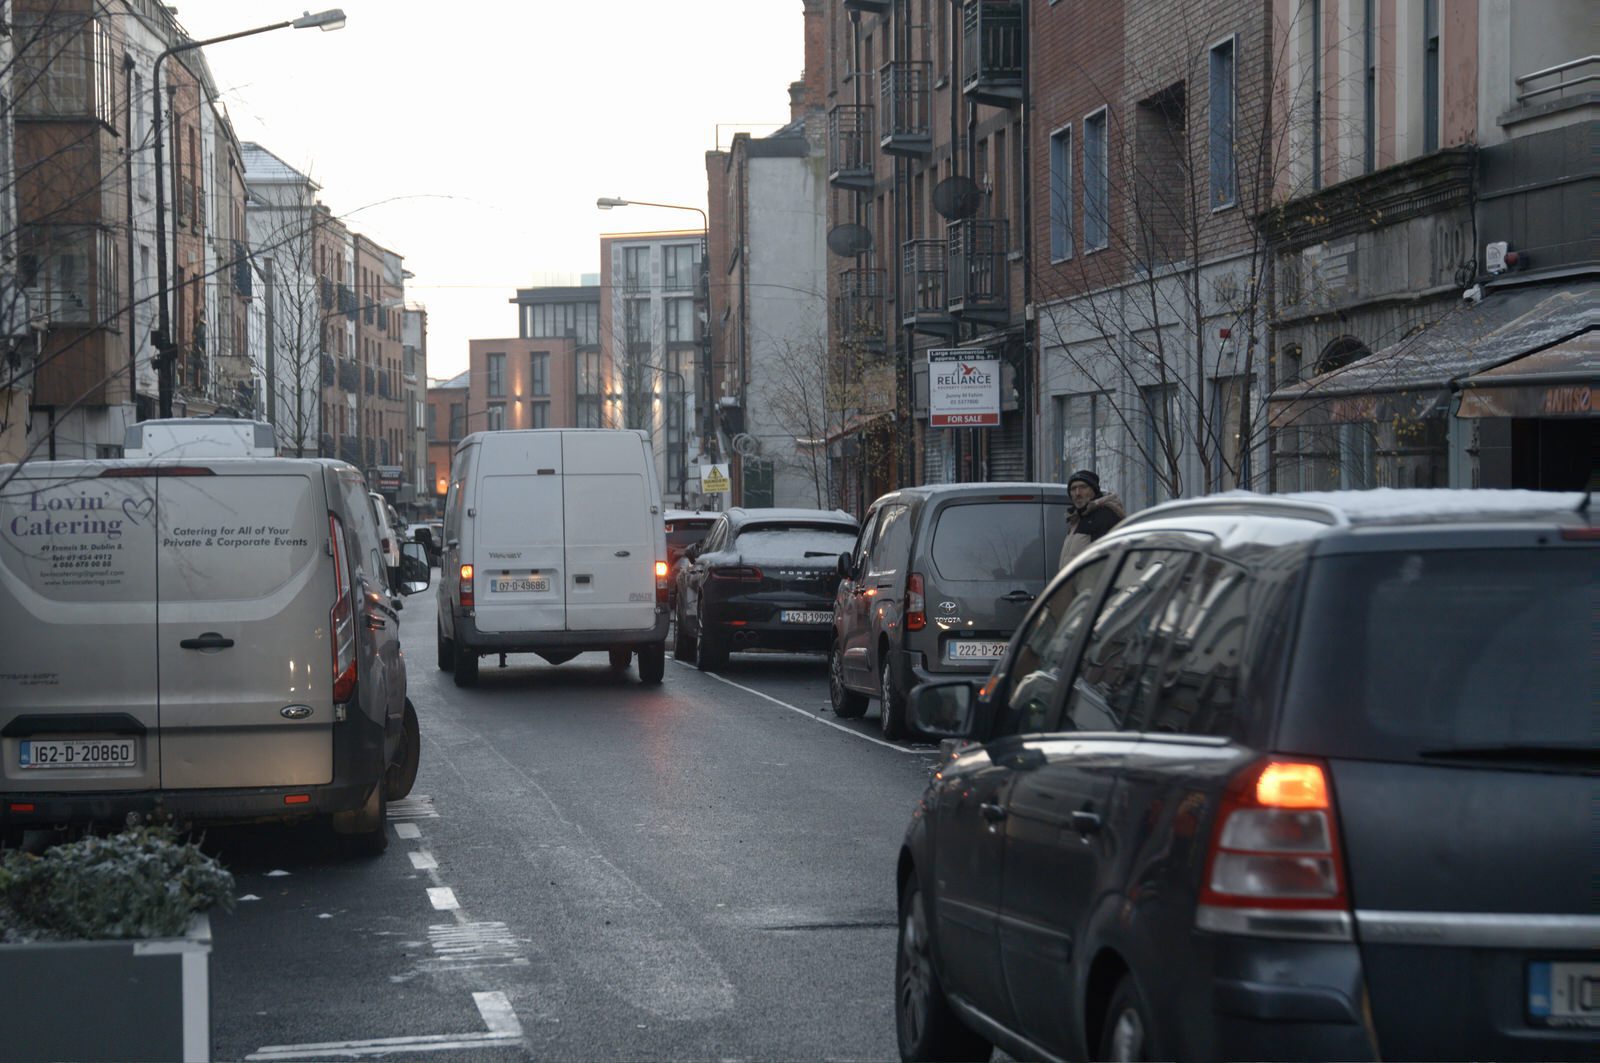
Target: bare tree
(814,393)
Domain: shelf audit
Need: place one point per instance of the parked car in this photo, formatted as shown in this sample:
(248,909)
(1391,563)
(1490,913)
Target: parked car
(935,585)
(761,579)
(208,641)
(685,527)
(388,535)
(1292,777)
(553,545)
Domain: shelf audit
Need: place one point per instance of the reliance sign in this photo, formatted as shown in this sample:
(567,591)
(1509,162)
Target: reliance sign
(963,388)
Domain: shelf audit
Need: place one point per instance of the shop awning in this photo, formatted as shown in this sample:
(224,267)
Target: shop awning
(1466,340)
(1559,381)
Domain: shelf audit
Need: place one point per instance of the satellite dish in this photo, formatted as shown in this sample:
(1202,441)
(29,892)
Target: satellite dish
(746,445)
(849,239)
(957,197)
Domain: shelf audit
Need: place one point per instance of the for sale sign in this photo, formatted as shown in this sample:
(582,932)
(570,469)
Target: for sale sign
(963,388)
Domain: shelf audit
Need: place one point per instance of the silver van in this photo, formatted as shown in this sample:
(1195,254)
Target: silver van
(939,579)
(202,642)
(555,545)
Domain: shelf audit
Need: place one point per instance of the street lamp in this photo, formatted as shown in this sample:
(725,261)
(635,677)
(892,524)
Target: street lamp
(607,202)
(166,350)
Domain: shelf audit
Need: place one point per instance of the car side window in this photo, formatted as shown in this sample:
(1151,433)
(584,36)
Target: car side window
(1106,689)
(716,536)
(1040,657)
(1198,679)
(894,540)
(864,542)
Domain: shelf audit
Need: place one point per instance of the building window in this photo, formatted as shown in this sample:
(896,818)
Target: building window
(539,373)
(589,412)
(1315,10)
(589,380)
(1369,49)
(1430,75)
(1083,432)
(538,415)
(433,421)
(1160,439)
(1061,194)
(497,376)
(679,320)
(1221,128)
(1228,398)
(1096,182)
(458,420)
(496,417)
(1161,203)
(678,266)
(636,268)
(636,322)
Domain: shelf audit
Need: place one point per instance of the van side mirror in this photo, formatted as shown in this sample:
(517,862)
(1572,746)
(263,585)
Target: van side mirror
(414,569)
(846,565)
(943,709)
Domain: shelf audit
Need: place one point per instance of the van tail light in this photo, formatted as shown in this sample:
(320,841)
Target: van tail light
(661,583)
(464,589)
(916,605)
(1274,868)
(741,572)
(342,619)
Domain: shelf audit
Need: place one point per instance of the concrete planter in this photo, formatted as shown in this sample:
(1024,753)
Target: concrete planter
(108,1000)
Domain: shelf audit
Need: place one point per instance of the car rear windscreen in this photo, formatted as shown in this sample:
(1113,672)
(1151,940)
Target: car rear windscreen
(681,533)
(794,541)
(1422,655)
(990,540)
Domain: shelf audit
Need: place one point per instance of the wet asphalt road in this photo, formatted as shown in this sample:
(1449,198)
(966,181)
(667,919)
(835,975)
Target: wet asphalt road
(588,868)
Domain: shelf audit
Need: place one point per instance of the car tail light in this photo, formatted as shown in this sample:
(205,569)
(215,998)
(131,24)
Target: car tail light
(1274,867)
(744,572)
(464,588)
(916,605)
(661,582)
(342,619)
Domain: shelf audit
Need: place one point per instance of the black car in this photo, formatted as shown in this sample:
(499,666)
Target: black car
(685,527)
(761,579)
(1292,777)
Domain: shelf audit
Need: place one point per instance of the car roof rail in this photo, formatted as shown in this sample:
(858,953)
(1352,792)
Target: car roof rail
(1243,504)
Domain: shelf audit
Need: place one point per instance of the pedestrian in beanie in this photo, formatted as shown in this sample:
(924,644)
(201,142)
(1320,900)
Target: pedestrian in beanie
(1094,512)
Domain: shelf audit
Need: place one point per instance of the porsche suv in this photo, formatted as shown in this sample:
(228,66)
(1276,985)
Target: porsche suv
(1288,777)
(761,579)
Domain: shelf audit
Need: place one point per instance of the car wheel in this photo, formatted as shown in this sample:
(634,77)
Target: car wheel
(891,703)
(847,704)
(652,662)
(925,1024)
(466,669)
(1128,1033)
(447,651)
(712,651)
(402,773)
(683,645)
(621,657)
(365,831)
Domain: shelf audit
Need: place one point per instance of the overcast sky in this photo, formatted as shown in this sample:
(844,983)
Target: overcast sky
(472,137)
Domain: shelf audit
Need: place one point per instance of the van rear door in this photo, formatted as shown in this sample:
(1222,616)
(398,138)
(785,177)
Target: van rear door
(78,659)
(242,623)
(517,533)
(611,532)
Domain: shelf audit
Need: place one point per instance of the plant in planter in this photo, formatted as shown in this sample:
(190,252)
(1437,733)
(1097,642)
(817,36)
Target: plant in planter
(104,947)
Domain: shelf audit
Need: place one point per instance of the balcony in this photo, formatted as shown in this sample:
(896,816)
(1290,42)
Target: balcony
(384,391)
(850,146)
(922,289)
(978,273)
(991,52)
(859,307)
(350,450)
(349,376)
(868,7)
(905,95)
(372,381)
(330,371)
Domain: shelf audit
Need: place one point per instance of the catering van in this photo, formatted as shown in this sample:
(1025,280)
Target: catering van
(205,641)
(554,544)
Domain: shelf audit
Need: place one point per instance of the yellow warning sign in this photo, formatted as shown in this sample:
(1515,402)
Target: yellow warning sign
(714,479)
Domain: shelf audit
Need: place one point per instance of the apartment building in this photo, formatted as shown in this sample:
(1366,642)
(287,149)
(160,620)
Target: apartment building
(446,426)
(926,216)
(381,413)
(418,485)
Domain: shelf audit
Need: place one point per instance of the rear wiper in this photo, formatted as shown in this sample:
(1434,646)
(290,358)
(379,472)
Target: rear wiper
(1579,755)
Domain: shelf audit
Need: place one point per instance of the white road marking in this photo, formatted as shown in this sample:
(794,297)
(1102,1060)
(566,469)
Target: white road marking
(443,898)
(466,946)
(423,860)
(382,1046)
(276,874)
(814,716)
(417,806)
(407,831)
(497,1014)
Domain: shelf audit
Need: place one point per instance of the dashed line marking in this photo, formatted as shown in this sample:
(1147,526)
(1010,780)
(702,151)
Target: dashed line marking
(407,831)
(443,898)
(423,860)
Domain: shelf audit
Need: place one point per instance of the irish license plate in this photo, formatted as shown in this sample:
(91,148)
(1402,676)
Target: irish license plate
(973,650)
(1564,995)
(519,584)
(76,753)
(806,616)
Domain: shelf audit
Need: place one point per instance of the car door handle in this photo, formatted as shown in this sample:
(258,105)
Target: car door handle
(1086,822)
(376,623)
(992,812)
(209,641)
(1017,596)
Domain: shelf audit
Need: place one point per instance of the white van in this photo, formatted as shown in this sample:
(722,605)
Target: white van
(188,438)
(208,641)
(554,545)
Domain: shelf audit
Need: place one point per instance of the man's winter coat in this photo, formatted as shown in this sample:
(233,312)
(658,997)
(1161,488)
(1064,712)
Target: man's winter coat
(1085,525)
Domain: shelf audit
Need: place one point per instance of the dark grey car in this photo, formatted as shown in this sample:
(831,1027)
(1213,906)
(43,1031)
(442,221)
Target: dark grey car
(939,578)
(1301,777)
